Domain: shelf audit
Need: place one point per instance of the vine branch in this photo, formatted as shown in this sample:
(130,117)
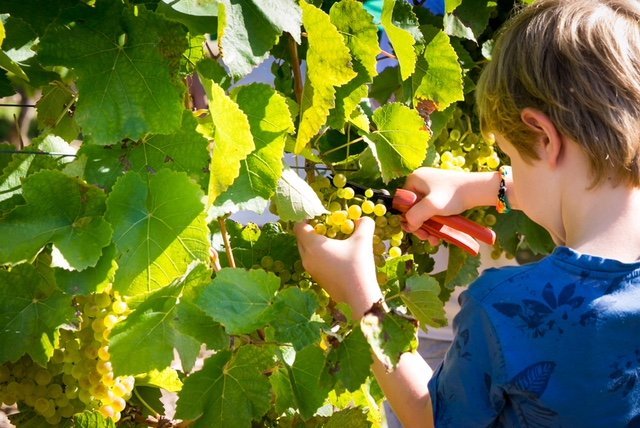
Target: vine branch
(227,243)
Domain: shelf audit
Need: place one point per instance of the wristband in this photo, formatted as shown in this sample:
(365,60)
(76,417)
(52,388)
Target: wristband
(502,205)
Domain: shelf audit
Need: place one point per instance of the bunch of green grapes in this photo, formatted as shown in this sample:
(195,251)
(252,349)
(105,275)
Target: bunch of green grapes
(462,148)
(79,375)
(345,207)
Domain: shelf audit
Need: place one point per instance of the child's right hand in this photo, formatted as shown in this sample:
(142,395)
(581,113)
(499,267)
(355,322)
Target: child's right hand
(446,192)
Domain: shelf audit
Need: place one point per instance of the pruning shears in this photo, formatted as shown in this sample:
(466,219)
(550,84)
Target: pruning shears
(454,229)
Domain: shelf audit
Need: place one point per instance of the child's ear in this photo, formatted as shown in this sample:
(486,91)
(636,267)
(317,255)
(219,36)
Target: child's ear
(548,139)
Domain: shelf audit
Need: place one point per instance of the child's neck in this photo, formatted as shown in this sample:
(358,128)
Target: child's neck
(604,222)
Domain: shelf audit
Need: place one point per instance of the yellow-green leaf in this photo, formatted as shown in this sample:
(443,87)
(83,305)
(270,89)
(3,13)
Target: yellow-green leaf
(402,40)
(439,74)
(328,66)
(399,142)
(232,142)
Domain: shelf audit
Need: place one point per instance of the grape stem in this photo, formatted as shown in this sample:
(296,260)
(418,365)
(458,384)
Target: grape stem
(144,403)
(297,74)
(345,145)
(227,243)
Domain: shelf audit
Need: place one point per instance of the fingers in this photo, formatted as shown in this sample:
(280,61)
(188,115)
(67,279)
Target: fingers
(418,214)
(365,226)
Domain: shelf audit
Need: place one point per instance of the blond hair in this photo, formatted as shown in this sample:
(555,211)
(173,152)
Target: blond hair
(577,61)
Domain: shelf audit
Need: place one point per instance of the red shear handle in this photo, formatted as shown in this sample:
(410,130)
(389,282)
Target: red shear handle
(453,236)
(405,199)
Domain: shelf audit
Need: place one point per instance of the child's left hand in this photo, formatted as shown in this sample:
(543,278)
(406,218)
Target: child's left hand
(344,268)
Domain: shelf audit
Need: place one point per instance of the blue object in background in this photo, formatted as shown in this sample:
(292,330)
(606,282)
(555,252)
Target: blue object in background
(374,7)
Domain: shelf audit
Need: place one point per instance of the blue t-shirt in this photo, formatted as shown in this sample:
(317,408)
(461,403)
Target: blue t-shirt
(550,344)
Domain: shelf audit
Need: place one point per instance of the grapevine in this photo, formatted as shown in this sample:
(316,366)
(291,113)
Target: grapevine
(131,146)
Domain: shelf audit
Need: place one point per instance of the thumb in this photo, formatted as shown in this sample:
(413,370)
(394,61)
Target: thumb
(365,226)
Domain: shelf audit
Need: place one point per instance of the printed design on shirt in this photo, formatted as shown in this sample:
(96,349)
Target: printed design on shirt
(542,316)
(525,389)
(591,316)
(460,345)
(625,374)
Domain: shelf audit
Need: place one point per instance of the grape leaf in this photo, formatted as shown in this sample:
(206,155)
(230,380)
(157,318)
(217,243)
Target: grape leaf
(402,40)
(348,99)
(399,143)
(54,114)
(328,66)
(281,387)
(167,379)
(462,269)
(159,229)
(351,360)
(270,122)
(309,380)
(242,301)
(293,319)
(350,417)
(361,34)
(295,200)
(230,390)
(390,334)
(31,311)
(420,294)
(184,150)
(145,340)
(125,62)
(439,73)
(21,165)
(469,19)
(512,226)
(285,15)
(451,5)
(270,239)
(92,419)
(59,210)
(245,35)
(232,142)
(90,280)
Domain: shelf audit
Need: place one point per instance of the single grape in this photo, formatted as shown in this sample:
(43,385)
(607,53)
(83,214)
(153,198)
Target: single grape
(339,180)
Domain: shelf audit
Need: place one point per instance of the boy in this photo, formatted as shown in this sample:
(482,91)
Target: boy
(552,343)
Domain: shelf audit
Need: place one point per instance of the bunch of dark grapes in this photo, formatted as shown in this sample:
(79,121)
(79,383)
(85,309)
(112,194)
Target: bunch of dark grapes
(79,375)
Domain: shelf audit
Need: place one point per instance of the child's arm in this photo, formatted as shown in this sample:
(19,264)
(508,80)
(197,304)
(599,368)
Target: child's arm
(346,269)
(446,192)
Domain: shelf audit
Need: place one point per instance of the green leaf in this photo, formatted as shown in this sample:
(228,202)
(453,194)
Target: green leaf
(159,229)
(350,417)
(328,66)
(295,200)
(351,360)
(293,319)
(167,379)
(184,150)
(90,280)
(145,340)
(54,111)
(309,381)
(348,99)
(462,268)
(270,123)
(390,334)
(400,141)
(21,164)
(59,210)
(230,390)
(402,40)
(361,34)
(511,228)
(31,311)
(92,419)
(285,15)
(420,295)
(240,300)
(439,73)
(469,19)
(125,63)
(281,387)
(233,142)
(451,5)
(246,35)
